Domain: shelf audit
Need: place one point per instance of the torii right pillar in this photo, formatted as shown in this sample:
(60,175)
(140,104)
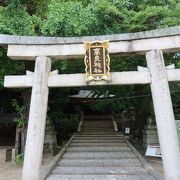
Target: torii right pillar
(164,115)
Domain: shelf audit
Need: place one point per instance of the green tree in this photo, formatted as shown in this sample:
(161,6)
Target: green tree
(90,17)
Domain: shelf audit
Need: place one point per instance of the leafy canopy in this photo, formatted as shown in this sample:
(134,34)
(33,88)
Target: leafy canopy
(89,17)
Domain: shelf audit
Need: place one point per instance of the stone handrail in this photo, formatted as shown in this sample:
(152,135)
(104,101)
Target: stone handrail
(114,124)
(81,122)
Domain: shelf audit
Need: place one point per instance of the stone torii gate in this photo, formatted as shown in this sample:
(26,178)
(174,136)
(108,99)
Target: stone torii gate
(44,49)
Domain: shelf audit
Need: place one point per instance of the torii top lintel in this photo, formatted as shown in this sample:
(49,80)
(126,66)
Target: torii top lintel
(29,47)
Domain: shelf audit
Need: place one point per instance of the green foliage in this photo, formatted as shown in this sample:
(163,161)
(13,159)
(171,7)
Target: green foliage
(16,21)
(19,159)
(20,121)
(109,18)
(178,130)
(20,112)
(89,17)
(65,127)
(77,17)
(72,18)
(67,19)
(9,67)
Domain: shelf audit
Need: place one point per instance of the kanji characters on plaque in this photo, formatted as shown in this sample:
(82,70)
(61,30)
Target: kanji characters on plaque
(97,61)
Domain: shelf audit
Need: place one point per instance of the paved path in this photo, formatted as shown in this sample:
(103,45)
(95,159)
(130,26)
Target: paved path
(99,153)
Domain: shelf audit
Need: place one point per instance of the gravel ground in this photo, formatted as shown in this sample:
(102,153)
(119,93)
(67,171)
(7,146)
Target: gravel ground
(157,166)
(9,171)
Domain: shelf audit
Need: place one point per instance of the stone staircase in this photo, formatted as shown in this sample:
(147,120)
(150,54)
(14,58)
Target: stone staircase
(99,153)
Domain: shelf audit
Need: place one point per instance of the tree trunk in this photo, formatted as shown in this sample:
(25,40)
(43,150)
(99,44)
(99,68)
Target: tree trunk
(18,140)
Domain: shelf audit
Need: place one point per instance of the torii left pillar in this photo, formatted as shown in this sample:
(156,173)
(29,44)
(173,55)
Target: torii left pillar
(37,120)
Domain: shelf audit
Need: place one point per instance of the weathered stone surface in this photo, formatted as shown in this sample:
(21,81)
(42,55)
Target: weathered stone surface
(28,48)
(98,149)
(100,170)
(164,115)
(74,80)
(102,160)
(100,177)
(37,120)
(100,163)
(87,144)
(10,39)
(2,155)
(50,140)
(150,135)
(75,51)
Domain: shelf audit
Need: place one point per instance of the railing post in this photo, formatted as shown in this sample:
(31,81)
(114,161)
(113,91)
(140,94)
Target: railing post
(81,121)
(114,123)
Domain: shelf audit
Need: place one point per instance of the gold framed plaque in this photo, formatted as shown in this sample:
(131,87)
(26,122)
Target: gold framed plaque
(97,61)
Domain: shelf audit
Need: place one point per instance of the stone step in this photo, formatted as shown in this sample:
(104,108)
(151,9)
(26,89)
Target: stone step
(98,138)
(98,129)
(99,149)
(100,132)
(99,177)
(98,135)
(100,163)
(89,120)
(136,160)
(98,155)
(97,126)
(107,144)
(98,141)
(105,125)
(113,134)
(97,122)
(100,170)
(97,118)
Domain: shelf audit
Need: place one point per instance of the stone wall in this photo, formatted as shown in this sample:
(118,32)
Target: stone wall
(150,135)
(50,140)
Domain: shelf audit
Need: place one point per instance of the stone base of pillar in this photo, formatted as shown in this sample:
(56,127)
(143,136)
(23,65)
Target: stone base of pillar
(50,140)
(150,135)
